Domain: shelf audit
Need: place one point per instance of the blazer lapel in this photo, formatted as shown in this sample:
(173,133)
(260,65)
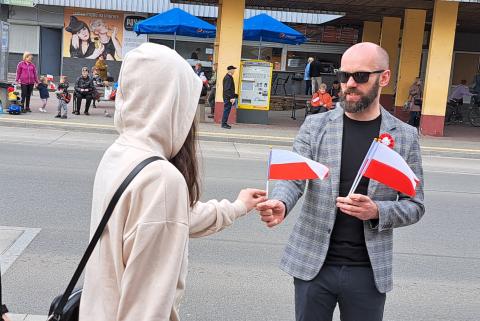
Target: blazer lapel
(387,126)
(333,142)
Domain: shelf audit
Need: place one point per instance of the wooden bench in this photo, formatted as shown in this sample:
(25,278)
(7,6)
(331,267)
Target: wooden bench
(299,102)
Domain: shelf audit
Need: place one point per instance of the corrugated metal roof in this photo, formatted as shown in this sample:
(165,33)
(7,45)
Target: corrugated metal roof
(158,6)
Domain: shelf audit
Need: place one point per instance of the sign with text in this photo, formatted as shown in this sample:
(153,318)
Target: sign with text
(130,39)
(255,85)
(23,3)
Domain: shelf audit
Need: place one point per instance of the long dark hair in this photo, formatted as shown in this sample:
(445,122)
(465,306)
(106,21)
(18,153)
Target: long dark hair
(186,162)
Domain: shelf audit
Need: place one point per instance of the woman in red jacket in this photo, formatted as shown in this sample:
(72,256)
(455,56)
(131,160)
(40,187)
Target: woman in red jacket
(27,78)
(321,100)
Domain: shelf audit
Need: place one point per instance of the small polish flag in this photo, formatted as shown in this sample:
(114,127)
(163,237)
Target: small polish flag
(286,165)
(387,167)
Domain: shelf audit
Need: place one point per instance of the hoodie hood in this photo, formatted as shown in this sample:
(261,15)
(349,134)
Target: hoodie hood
(156,101)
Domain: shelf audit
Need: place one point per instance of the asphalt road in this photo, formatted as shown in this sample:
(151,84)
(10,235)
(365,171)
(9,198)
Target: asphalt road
(46,179)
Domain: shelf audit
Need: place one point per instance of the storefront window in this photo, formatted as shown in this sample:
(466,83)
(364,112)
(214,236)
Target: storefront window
(273,55)
(192,51)
(296,61)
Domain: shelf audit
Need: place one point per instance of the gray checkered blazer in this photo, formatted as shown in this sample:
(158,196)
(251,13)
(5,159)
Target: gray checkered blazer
(320,139)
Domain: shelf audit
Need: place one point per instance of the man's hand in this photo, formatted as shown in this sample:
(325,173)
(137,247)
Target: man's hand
(251,197)
(272,212)
(232,100)
(359,206)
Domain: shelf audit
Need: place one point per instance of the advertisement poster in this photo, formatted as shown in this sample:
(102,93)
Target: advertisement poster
(255,85)
(91,33)
(130,38)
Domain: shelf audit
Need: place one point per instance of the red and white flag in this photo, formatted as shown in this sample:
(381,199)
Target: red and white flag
(286,165)
(386,166)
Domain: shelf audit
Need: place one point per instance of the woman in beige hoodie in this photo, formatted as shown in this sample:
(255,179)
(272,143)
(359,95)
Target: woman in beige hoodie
(138,269)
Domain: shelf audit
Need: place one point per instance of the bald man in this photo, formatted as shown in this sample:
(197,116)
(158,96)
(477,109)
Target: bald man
(340,250)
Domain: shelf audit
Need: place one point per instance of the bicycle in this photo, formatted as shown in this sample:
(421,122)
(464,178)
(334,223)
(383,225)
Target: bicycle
(474,111)
(453,112)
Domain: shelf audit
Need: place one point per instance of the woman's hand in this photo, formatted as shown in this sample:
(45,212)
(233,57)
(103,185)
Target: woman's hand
(251,197)
(114,32)
(98,51)
(75,41)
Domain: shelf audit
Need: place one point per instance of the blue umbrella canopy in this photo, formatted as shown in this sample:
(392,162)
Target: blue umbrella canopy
(176,22)
(265,28)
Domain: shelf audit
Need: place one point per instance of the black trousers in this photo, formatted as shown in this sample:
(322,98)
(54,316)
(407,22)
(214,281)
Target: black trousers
(227,106)
(211,99)
(414,118)
(27,91)
(352,287)
(316,110)
(79,99)
(308,87)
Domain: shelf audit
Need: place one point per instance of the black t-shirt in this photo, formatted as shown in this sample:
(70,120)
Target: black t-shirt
(347,242)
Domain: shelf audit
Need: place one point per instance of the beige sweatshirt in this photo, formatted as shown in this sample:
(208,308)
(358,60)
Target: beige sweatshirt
(137,271)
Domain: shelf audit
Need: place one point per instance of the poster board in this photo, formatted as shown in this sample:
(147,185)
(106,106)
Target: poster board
(91,33)
(255,85)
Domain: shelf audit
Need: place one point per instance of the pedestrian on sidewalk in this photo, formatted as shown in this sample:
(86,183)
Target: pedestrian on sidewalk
(229,95)
(315,74)
(63,97)
(335,91)
(212,83)
(415,99)
(44,94)
(307,78)
(340,250)
(321,101)
(27,78)
(84,89)
(139,267)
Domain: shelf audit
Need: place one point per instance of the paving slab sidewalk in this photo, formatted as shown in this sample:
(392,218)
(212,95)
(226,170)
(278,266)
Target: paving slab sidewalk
(460,140)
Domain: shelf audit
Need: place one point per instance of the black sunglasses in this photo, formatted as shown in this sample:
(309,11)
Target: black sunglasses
(360,77)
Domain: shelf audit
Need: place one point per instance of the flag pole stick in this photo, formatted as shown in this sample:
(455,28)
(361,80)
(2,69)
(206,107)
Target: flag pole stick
(362,168)
(268,170)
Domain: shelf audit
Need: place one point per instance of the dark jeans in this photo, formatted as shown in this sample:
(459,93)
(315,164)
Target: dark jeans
(27,91)
(414,118)
(352,287)
(211,99)
(308,87)
(316,110)
(227,106)
(78,103)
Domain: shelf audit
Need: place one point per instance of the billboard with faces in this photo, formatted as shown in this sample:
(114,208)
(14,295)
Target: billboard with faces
(92,34)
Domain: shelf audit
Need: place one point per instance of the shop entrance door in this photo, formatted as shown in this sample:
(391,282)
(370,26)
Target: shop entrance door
(50,51)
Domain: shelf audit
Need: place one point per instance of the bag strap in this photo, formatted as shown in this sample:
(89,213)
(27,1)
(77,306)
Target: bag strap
(57,313)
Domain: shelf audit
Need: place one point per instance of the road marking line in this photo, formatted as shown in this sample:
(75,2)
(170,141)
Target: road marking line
(452,173)
(219,135)
(451,149)
(18,246)
(27,317)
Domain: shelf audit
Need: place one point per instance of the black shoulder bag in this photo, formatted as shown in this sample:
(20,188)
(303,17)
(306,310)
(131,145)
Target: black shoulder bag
(66,307)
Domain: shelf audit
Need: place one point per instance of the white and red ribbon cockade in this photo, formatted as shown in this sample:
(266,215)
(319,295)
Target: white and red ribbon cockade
(387,139)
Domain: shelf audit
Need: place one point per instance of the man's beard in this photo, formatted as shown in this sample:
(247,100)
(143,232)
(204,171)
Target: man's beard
(364,102)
